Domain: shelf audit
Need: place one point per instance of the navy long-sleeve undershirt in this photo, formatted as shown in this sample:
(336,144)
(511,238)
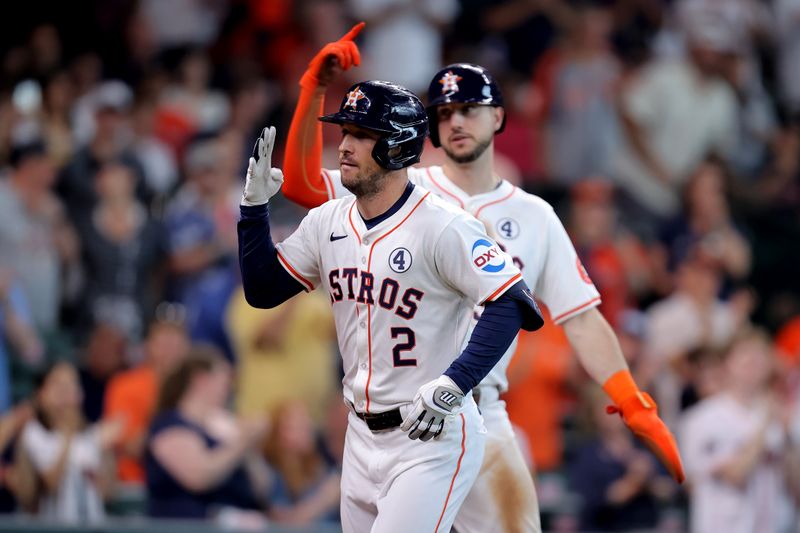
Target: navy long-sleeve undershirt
(494,332)
(266,283)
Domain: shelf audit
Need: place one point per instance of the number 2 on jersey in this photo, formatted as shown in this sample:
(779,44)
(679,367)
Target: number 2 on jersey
(399,348)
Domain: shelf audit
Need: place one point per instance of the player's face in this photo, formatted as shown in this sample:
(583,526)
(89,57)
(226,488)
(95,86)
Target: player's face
(467,130)
(361,174)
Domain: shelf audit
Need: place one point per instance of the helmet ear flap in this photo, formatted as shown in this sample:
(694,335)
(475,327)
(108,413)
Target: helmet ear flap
(381,153)
(433,126)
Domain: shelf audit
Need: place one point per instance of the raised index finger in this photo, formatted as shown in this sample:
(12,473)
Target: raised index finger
(353,33)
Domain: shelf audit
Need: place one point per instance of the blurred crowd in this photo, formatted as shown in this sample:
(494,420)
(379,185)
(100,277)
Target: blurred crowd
(665,132)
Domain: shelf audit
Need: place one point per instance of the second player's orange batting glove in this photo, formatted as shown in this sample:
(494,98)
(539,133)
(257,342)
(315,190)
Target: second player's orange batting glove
(640,414)
(344,50)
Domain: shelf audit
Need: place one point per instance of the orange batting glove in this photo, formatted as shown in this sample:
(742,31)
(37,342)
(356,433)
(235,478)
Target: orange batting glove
(344,50)
(640,414)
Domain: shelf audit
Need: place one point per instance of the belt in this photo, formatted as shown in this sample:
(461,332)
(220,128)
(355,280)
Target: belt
(490,393)
(380,421)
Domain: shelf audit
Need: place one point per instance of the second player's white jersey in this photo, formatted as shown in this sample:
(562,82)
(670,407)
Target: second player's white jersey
(527,228)
(403,292)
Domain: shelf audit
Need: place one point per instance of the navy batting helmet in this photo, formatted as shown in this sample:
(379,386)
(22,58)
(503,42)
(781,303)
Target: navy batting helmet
(392,110)
(462,83)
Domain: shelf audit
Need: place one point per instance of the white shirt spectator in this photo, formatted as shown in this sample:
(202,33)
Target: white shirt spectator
(177,23)
(676,326)
(402,40)
(77,499)
(712,434)
(683,118)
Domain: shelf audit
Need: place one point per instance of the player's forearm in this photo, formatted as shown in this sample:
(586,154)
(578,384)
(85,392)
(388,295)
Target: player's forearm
(493,334)
(303,183)
(595,344)
(266,283)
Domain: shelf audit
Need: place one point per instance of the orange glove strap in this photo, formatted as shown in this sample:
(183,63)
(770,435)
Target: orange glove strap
(620,387)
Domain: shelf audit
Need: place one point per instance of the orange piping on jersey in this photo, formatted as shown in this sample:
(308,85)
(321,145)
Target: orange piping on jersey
(369,269)
(575,309)
(295,274)
(350,218)
(503,199)
(448,193)
(379,239)
(458,467)
(369,353)
(502,287)
(329,183)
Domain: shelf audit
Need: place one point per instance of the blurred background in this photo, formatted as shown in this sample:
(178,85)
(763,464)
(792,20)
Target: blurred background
(666,133)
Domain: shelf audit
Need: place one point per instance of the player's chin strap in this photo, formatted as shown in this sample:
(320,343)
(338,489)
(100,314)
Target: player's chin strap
(640,414)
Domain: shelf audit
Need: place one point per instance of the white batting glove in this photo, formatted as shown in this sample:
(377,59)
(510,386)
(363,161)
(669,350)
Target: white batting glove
(433,403)
(263,181)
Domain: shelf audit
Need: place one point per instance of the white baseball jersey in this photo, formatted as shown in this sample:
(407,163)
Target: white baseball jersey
(527,228)
(403,292)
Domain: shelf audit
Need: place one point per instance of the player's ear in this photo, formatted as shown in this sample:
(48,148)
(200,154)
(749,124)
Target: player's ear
(499,116)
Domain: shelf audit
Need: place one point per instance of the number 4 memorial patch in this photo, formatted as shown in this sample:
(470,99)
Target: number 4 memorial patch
(400,260)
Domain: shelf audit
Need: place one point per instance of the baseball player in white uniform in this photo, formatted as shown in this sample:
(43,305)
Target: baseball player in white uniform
(465,112)
(404,271)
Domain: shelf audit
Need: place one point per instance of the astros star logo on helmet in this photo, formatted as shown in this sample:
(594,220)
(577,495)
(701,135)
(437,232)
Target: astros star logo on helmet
(449,82)
(353,98)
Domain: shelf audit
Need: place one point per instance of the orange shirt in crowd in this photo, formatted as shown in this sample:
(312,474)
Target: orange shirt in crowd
(131,396)
(537,397)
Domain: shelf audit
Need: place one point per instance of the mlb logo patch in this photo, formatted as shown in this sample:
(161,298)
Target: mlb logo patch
(449,83)
(356,101)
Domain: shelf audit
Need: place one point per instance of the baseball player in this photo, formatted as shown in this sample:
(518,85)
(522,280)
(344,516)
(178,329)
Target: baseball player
(403,271)
(465,109)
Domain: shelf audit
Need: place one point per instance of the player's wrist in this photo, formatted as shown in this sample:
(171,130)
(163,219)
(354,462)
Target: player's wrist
(621,387)
(309,80)
(456,380)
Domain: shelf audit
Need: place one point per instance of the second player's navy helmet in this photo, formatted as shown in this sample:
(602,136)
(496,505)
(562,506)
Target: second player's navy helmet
(392,110)
(462,83)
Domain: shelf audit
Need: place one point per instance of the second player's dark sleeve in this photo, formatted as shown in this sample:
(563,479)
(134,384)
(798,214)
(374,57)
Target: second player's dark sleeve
(499,323)
(266,283)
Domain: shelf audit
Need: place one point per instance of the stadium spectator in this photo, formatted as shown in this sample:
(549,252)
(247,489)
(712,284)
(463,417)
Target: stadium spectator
(692,317)
(787,19)
(708,223)
(674,113)
(11,423)
(200,219)
(64,461)
(575,82)
(123,248)
(403,24)
(131,395)
(285,354)
(199,460)
(736,449)
(306,488)
(38,244)
(157,159)
(102,358)
(102,128)
(18,337)
(615,259)
(619,483)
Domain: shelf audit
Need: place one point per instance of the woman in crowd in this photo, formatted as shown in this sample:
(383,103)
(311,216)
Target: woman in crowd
(199,461)
(64,461)
(306,487)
